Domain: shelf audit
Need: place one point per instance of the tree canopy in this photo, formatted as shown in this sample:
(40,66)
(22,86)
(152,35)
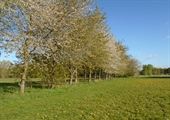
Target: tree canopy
(62,40)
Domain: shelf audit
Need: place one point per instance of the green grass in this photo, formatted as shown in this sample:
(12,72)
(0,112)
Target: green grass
(123,98)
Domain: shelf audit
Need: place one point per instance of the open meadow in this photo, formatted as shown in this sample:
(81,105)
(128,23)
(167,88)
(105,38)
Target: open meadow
(120,98)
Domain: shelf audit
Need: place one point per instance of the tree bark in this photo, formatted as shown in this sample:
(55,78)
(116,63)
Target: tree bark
(22,84)
(26,60)
(106,76)
(76,76)
(109,76)
(95,75)
(71,78)
(84,75)
(23,78)
(89,75)
(99,74)
(71,74)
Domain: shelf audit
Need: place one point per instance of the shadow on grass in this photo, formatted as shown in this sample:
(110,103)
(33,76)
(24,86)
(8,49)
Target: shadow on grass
(163,76)
(14,86)
(9,87)
(160,77)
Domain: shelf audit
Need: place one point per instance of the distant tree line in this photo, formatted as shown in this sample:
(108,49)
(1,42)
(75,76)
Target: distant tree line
(61,40)
(151,70)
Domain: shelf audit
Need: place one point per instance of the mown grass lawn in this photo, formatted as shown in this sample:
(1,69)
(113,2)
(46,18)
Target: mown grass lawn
(122,98)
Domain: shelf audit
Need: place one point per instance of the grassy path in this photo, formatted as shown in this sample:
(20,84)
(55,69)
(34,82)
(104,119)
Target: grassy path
(137,98)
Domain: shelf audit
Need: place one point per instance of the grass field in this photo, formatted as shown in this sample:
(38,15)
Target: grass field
(118,99)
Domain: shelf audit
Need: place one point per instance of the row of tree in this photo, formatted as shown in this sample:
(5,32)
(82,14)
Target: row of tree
(151,70)
(61,40)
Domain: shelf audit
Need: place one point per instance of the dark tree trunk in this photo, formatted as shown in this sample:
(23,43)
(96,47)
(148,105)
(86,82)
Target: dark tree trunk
(85,75)
(106,76)
(99,74)
(90,75)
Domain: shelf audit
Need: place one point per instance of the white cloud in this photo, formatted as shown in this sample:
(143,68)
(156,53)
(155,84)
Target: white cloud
(168,37)
(151,56)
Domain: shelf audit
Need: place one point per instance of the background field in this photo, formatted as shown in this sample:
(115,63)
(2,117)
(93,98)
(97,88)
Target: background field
(121,98)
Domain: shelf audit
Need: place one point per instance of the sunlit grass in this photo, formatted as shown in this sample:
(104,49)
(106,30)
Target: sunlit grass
(137,98)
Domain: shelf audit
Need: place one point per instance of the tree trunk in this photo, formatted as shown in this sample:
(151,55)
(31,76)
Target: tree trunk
(106,76)
(89,75)
(22,84)
(71,78)
(71,74)
(84,75)
(53,83)
(23,78)
(109,77)
(95,75)
(26,60)
(53,79)
(99,74)
(76,76)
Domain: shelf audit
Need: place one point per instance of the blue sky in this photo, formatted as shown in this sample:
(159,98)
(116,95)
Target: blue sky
(143,25)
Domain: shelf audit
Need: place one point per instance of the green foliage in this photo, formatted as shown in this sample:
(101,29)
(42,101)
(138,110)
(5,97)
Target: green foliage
(132,67)
(167,71)
(147,70)
(150,70)
(5,67)
(136,98)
